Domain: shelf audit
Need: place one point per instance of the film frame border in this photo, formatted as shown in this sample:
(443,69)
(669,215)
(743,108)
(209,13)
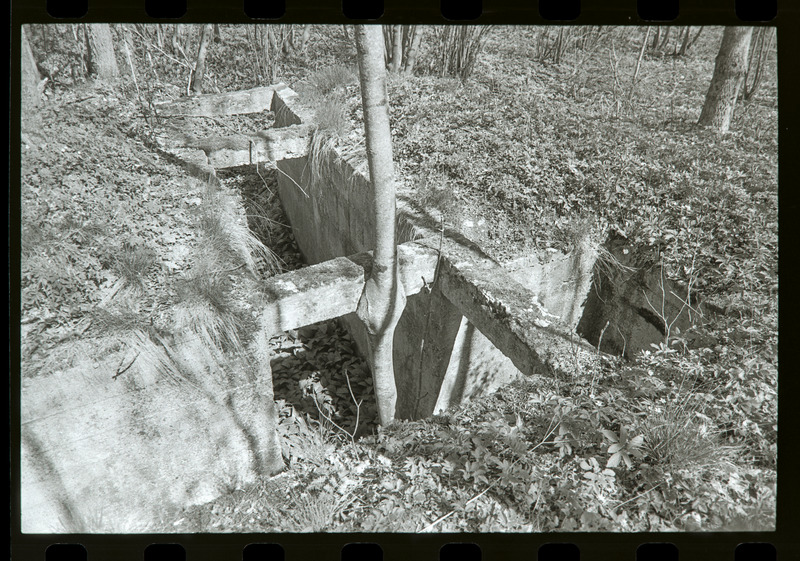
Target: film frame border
(706,546)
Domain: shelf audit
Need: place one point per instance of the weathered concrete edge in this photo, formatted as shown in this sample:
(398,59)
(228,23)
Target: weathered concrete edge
(332,289)
(229,103)
(266,146)
(482,289)
(508,315)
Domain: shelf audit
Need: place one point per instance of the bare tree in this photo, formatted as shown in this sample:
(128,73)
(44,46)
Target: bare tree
(729,73)
(412,36)
(206,35)
(100,51)
(639,60)
(29,73)
(177,38)
(401,46)
(760,48)
(383,299)
(688,40)
(459,47)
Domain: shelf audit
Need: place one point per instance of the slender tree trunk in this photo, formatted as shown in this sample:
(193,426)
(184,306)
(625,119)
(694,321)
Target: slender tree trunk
(383,299)
(639,60)
(206,35)
(413,49)
(30,76)
(387,40)
(696,37)
(729,72)
(685,43)
(272,38)
(304,37)
(656,39)
(176,39)
(160,35)
(665,38)
(397,48)
(100,51)
(759,52)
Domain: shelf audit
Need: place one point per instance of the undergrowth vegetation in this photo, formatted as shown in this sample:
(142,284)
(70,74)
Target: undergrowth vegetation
(554,142)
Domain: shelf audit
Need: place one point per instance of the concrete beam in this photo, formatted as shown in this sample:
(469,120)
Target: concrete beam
(255,100)
(267,146)
(509,314)
(506,312)
(332,289)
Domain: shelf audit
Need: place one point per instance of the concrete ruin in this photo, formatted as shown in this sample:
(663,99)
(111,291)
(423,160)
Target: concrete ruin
(470,325)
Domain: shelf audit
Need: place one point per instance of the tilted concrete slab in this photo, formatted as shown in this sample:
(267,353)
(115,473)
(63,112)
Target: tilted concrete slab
(102,453)
(506,312)
(333,288)
(229,103)
(264,147)
(509,314)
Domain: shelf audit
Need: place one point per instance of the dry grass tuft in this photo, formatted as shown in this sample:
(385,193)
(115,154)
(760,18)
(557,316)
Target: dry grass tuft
(133,264)
(678,436)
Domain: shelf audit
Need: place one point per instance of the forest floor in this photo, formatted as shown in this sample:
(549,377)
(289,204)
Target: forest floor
(678,439)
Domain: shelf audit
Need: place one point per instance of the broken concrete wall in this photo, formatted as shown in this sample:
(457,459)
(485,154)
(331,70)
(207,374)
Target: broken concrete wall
(632,304)
(560,281)
(332,216)
(105,455)
(440,358)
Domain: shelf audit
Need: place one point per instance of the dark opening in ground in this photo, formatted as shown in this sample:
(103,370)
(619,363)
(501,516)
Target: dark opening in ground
(311,366)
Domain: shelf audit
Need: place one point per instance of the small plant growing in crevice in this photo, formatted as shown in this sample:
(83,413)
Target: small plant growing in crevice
(133,263)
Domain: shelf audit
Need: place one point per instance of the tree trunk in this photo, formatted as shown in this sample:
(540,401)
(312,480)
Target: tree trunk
(30,76)
(160,35)
(696,37)
(665,38)
(387,44)
(729,73)
(100,52)
(397,48)
(759,52)
(383,299)
(206,35)
(177,39)
(685,43)
(300,44)
(639,60)
(656,39)
(413,47)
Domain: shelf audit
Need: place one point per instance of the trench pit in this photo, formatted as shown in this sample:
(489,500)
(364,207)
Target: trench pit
(311,366)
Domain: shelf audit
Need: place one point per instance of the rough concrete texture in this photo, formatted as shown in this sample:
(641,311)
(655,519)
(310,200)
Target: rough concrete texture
(333,288)
(217,152)
(332,216)
(630,299)
(508,314)
(231,103)
(103,455)
(559,281)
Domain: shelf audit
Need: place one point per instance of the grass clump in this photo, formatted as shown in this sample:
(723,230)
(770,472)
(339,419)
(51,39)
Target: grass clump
(226,238)
(133,263)
(327,81)
(677,436)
